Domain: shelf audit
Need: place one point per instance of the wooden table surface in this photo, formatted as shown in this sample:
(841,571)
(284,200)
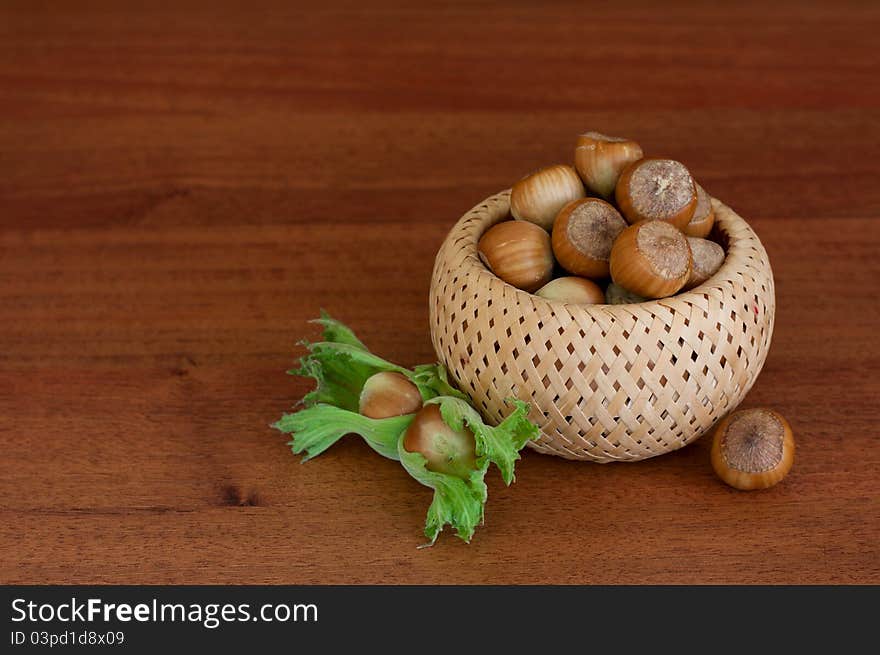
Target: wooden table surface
(182,187)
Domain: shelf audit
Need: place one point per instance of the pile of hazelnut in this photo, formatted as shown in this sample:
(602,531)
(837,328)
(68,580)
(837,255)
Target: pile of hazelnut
(645,227)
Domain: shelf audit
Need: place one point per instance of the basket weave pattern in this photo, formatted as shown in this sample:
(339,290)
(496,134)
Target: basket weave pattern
(606,382)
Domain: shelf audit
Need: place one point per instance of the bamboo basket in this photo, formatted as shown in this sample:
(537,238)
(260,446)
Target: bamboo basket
(606,382)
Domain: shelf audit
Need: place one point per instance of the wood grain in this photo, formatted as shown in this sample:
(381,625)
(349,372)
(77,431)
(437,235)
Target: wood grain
(182,187)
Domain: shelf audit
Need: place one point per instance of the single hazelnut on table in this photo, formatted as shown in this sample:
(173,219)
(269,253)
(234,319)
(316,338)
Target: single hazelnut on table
(583,233)
(599,160)
(707,259)
(389,393)
(519,253)
(651,259)
(538,197)
(572,290)
(701,222)
(753,449)
(617,295)
(656,190)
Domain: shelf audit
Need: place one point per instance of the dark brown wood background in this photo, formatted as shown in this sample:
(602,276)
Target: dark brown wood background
(182,187)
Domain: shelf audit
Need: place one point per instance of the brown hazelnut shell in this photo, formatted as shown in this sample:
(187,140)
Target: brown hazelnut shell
(572,290)
(599,160)
(583,233)
(389,393)
(753,465)
(641,268)
(539,196)
(707,257)
(701,222)
(518,252)
(626,193)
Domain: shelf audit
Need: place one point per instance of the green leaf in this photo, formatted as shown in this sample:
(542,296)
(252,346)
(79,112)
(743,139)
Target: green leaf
(432,381)
(318,427)
(340,371)
(499,445)
(337,332)
(341,365)
(339,375)
(456,502)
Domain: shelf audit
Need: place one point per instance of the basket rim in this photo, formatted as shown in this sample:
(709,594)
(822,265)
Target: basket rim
(741,243)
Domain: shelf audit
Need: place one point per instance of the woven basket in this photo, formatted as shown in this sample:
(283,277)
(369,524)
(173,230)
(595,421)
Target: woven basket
(606,382)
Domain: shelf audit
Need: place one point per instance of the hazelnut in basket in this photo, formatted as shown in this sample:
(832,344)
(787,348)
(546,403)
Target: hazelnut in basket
(590,240)
(672,341)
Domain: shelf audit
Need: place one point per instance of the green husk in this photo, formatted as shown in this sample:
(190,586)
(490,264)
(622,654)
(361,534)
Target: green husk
(316,428)
(341,365)
(457,502)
